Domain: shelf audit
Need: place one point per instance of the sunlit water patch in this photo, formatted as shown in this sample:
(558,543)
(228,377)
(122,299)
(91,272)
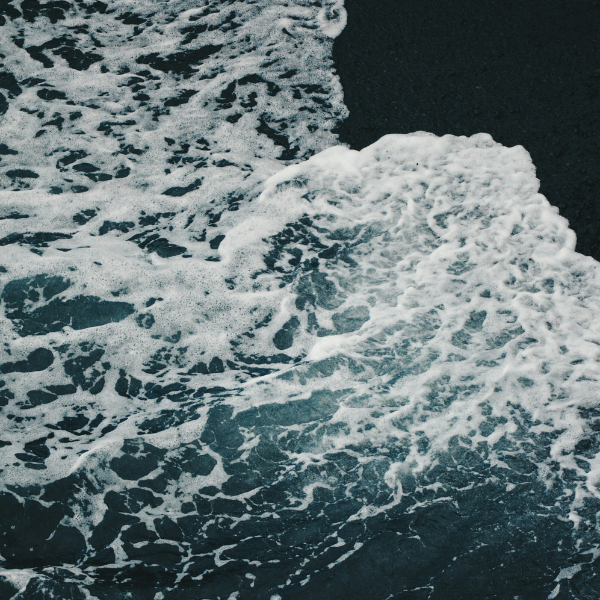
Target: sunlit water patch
(240,365)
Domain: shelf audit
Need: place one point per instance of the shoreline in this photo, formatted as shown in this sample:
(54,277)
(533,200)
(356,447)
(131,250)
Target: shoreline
(526,74)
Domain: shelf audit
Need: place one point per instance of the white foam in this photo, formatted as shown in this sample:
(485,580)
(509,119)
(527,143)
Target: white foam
(386,303)
(433,225)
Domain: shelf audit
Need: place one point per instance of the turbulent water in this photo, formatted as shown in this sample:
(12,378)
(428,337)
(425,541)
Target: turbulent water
(241,361)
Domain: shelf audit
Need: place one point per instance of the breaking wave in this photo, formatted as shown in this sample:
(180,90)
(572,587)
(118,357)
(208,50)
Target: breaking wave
(240,361)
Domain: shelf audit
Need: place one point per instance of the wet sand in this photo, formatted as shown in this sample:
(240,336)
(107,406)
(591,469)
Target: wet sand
(527,73)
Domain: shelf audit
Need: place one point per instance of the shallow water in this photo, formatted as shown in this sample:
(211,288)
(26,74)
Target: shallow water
(245,362)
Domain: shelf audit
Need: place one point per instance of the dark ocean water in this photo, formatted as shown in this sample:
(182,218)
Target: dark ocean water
(241,360)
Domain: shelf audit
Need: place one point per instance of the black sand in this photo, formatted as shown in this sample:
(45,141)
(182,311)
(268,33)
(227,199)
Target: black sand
(526,72)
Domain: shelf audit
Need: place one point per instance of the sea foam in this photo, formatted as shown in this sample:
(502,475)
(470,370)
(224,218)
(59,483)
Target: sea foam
(242,345)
